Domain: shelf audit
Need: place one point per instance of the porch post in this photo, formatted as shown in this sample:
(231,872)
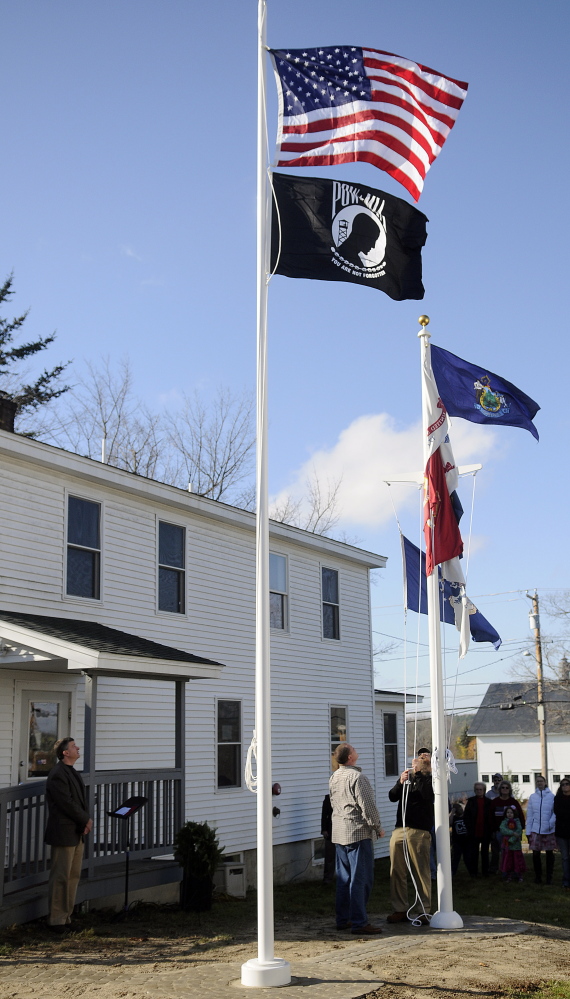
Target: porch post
(180,754)
(89,749)
(90,732)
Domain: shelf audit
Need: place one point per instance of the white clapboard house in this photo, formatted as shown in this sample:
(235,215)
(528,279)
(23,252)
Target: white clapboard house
(507,732)
(127,621)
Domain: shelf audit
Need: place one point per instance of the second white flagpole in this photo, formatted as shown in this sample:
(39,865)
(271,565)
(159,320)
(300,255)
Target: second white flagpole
(445,918)
(266,970)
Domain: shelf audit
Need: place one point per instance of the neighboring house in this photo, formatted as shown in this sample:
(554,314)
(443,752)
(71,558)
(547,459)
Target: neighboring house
(506,728)
(127,620)
(390,755)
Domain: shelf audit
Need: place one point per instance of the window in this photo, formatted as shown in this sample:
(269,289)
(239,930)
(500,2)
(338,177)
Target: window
(229,743)
(330,603)
(514,779)
(83,548)
(556,779)
(526,778)
(339,729)
(278,591)
(485,778)
(390,744)
(171,574)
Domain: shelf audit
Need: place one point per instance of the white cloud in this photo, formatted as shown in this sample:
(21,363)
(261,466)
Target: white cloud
(127,251)
(374,449)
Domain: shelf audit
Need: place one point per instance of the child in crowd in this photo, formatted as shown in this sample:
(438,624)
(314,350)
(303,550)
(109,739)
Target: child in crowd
(512,864)
(459,837)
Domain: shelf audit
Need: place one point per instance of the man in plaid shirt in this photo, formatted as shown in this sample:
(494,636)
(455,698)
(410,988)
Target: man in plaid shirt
(355,822)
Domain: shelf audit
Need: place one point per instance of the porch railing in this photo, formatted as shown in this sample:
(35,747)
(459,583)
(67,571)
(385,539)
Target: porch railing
(23,815)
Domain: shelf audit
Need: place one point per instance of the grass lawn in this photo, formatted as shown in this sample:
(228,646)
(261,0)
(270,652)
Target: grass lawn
(233,919)
(554,990)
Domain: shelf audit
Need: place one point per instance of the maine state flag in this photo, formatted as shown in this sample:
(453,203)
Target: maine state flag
(479,395)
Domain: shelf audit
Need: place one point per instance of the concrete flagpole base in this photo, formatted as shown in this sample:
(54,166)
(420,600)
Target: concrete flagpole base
(446,921)
(263,974)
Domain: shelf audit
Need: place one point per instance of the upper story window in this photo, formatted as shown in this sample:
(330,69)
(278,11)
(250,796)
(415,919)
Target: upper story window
(83,548)
(278,591)
(171,567)
(390,744)
(331,628)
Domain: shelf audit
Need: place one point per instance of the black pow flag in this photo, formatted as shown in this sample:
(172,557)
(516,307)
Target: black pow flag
(329,230)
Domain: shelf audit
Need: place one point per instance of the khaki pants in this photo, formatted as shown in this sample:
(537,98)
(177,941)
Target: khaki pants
(64,874)
(419,842)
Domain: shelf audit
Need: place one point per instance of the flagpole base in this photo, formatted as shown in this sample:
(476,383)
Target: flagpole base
(264,974)
(446,921)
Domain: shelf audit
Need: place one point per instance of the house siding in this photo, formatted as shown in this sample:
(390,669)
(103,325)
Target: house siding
(135,718)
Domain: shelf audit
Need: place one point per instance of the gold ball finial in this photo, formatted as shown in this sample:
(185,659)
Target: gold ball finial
(423,320)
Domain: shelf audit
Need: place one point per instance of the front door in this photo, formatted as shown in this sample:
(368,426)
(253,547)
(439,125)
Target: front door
(46,717)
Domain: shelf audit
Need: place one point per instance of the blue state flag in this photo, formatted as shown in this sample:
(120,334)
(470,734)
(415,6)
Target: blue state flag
(479,395)
(415,591)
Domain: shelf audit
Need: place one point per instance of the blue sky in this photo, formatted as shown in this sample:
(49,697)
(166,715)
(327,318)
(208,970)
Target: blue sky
(128,218)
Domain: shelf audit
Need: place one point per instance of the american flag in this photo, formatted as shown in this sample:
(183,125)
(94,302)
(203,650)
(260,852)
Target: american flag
(345,103)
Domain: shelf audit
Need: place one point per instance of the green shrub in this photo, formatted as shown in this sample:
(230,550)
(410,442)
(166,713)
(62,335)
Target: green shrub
(197,849)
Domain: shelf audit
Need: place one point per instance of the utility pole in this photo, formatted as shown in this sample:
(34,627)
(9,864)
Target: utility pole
(534,620)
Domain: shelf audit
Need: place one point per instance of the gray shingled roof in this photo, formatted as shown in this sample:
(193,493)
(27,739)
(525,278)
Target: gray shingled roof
(522,719)
(98,637)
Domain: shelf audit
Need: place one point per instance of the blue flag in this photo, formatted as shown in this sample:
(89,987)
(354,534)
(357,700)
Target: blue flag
(416,595)
(479,395)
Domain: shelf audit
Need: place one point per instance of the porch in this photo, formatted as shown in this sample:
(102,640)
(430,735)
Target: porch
(90,652)
(23,815)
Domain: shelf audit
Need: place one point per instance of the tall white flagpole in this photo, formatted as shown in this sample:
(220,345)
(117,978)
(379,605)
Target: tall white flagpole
(445,918)
(265,970)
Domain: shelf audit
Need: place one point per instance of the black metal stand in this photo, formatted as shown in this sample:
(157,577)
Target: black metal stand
(125,813)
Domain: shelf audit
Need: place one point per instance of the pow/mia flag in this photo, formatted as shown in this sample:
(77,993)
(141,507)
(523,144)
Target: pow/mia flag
(329,230)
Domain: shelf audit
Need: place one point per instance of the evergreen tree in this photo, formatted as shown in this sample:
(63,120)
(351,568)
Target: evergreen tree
(26,397)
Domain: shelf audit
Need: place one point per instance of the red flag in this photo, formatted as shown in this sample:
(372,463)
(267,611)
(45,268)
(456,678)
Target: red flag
(441,530)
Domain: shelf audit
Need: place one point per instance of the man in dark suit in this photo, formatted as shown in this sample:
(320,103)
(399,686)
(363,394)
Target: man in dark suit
(68,822)
(478,817)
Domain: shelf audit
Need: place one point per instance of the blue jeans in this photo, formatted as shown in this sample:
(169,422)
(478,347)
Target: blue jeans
(564,847)
(354,880)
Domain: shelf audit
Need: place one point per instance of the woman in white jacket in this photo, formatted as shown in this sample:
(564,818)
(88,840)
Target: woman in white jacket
(540,822)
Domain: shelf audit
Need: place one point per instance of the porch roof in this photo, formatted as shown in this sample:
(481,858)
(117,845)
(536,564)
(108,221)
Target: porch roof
(96,647)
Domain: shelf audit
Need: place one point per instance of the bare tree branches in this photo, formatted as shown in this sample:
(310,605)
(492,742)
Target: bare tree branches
(214,446)
(316,511)
(210,447)
(100,407)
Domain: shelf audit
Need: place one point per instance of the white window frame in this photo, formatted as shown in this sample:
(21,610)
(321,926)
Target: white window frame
(98,601)
(324,637)
(241,785)
(178,615)
(285,595)
(335,707)
(396,744)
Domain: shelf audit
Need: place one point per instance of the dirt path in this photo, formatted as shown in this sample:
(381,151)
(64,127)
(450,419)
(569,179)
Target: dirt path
(479,962)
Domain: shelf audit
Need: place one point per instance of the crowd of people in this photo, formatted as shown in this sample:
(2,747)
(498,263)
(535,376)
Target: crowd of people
(486,830)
